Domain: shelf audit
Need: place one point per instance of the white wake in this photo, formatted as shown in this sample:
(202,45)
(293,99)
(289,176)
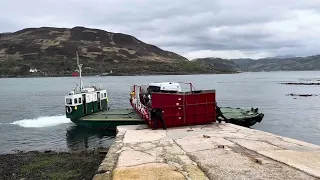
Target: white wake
(43,121)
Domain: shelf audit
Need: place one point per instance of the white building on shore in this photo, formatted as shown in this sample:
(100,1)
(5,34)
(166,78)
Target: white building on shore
(33,70)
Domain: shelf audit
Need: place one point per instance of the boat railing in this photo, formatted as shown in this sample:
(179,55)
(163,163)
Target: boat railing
(137,100)
(190,85)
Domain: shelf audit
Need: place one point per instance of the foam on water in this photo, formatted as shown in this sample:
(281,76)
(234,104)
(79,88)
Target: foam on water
(43,121)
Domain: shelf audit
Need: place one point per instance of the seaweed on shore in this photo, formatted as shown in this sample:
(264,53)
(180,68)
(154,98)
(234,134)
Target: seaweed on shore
(50,165)
(302,83)
(302,95)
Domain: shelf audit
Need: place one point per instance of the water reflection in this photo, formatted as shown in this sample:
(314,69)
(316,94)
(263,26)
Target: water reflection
(81,139)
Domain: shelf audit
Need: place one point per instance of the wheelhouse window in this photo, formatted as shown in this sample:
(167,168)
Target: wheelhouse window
(69,101)
(75,101)
(153,89)
(79,100)
(105,94)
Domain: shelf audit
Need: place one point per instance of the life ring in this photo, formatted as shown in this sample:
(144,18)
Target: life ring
(69,110)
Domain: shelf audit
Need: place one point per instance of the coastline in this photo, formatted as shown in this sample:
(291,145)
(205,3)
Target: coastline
(114,74)
(139,74)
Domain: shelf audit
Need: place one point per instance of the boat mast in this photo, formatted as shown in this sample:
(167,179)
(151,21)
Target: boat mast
(79,66)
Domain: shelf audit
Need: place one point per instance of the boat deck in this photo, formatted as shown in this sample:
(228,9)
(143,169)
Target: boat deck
(237,113)
(113,115)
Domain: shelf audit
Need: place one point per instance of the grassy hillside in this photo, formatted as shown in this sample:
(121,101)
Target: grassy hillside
(218,63)
(53,51)
(280,64)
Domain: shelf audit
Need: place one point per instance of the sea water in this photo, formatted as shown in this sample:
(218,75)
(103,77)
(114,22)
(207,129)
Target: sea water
(32,113)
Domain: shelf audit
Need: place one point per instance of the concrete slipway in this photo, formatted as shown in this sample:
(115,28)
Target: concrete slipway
(214,151)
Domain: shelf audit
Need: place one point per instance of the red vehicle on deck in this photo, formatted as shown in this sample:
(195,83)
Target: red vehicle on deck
(164,104)
(75,74)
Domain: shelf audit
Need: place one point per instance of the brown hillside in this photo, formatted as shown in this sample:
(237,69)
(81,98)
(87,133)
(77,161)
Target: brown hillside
(53,51)
(92,43)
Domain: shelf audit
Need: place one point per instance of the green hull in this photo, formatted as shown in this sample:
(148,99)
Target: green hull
(242,117)
(109,119)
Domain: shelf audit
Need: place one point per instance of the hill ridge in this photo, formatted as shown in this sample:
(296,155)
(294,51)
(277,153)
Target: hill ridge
(52,50)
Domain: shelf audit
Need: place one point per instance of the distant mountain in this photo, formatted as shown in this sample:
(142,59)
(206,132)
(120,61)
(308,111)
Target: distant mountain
(243,63)
(280,64)
(52,51)
(218,63)
(281,57)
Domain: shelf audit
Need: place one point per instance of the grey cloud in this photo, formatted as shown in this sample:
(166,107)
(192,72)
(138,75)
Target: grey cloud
(205,43)
(268,26)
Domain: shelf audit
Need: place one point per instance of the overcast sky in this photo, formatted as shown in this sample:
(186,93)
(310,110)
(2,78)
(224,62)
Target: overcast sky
(192,28)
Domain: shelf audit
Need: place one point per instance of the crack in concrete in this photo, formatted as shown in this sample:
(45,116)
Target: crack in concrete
(265,141)
(281,139)
(277,137)
(164,155)
(139,144)
(267,157)
(187,154)
(209,125)
(254,140)
(171,161)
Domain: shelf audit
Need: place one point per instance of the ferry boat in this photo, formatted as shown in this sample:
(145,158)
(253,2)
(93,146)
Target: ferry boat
(88,107)
(163,104)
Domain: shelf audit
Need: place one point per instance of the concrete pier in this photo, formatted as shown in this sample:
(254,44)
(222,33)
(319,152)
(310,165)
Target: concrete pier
(214,151)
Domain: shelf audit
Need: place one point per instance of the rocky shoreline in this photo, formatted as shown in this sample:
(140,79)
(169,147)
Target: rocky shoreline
(115,74)
(51,165)
(301,83)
